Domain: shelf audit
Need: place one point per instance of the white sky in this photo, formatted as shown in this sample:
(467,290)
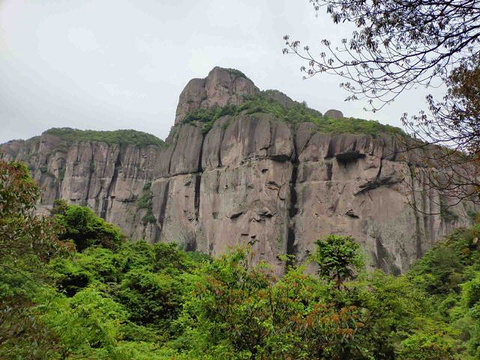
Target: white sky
(121,64)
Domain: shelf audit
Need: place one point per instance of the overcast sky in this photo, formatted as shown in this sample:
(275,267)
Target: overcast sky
(121,64)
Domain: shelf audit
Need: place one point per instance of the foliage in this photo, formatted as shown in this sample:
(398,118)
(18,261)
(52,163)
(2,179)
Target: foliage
(21,232)
(338,258)
(236,73)
(297,113)
(26,243)
(236,311)
(450,263)
(454,124)
(137,300)
(153,298)
(208,116)
(128,137)
(85,229)
(397,46)
(145,202)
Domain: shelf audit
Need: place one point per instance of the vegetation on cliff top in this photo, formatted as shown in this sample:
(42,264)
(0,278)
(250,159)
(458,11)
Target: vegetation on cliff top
(130,137)
(295,113)
(71,288)
(236,73)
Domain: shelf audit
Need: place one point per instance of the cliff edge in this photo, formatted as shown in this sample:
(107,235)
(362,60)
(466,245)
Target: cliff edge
(244,166)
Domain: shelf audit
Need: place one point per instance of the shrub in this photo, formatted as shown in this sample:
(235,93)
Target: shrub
(338,258)
(86,229)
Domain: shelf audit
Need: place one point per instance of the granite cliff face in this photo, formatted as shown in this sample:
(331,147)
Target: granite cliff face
(251,178)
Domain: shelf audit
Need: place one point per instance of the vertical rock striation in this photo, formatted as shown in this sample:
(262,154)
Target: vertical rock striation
(251,179)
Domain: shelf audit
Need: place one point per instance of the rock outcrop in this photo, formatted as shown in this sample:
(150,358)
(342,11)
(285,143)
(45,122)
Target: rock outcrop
(220,88)
(334,114)
(251,179)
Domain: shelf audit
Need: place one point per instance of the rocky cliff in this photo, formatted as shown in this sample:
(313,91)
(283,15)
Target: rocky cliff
(244,166)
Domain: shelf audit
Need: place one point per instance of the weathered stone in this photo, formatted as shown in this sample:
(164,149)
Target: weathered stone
(281,98)
(334,114)
(221,87)
(252,179)
(187,151)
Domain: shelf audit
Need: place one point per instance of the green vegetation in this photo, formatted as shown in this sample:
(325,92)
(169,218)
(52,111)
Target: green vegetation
(295,114)
(236,73)
(144,202)
(72,288)
(84,228)
(338,258)
(129,137)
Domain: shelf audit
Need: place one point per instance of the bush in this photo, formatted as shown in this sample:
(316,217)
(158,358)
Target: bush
(86,229)
(338,258)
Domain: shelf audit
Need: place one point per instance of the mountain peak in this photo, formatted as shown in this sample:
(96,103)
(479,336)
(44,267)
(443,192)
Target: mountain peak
(221,87)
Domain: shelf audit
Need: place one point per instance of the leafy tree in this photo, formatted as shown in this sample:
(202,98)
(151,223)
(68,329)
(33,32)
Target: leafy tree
(444,268)
(433,344)
(397,44)
(22,233)
(151,298)
(338,258)
(88,324)
(242,312)
(453,123)
(26,243)
(86,229)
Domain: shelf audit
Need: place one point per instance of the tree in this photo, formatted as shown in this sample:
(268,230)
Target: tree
(454,125)
(237,311)
(21,232)
(85,228)
(27,242)
(398,44)
(338,258)
(402,44)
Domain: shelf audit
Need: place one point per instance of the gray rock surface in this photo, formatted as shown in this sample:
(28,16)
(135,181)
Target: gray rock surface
(221,87)
(252,179)
(334,114)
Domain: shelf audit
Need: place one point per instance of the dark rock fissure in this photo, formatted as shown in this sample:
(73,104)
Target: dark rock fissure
(236,215)
(329,171)
(349,157)
(90,174)
(219,154)
(384,259)
(376,182)
(293,210)
(426,210)
(418,234)
(118,162)
(163,207)
(198,181)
